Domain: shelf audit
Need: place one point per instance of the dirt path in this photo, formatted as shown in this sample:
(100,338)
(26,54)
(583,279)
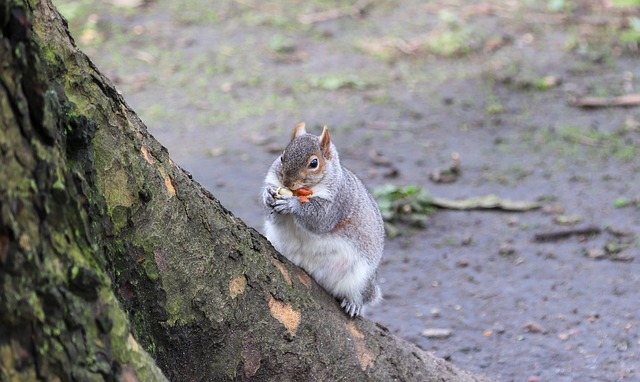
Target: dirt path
(221,86)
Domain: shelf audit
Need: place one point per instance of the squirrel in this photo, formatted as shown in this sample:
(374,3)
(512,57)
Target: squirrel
(336,233)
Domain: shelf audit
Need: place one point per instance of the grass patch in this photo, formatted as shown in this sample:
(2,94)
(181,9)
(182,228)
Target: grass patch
(450,43)
(282,44)
(334,82)
(452,37)
(623,202)
(626,3)
(631,35)
(606,144)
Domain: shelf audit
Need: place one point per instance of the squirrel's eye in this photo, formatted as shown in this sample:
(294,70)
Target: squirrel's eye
(282,157)
(313,163)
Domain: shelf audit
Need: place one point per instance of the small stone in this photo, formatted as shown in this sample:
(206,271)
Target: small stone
(215,152)
(437,333)
(596,253)
(533,327)
(622,346)
(566,335)
(552,209)
(506,249)
(593,317)
(499,328)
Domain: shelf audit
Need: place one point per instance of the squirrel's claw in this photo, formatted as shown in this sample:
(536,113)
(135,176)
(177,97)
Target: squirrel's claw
(281,204)
(269,197)
(350,307)
(284,204)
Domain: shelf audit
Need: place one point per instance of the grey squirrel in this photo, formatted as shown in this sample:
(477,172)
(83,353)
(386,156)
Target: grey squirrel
(335,233)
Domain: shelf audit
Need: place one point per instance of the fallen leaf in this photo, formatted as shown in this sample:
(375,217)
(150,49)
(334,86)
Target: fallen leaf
(485,202)
(463,263)
(567,219)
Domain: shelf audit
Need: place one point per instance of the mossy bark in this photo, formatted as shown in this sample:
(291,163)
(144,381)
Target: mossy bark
(96,221)
(59,318)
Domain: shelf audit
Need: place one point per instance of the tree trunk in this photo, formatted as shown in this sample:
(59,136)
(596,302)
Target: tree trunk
(106,244)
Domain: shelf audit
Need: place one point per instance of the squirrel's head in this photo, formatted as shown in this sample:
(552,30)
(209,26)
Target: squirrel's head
(306,158)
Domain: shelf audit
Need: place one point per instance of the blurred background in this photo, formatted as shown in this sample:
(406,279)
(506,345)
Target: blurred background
(529,101)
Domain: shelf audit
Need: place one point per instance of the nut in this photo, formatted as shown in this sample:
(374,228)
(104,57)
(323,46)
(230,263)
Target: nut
(284,191)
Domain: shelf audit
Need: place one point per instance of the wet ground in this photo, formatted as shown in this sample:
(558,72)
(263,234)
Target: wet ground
(402,85)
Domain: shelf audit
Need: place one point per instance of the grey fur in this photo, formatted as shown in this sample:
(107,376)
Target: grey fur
(342,211)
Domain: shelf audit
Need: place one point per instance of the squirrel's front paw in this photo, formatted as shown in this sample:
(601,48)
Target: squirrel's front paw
(284,204)
(269,196)
(351,307)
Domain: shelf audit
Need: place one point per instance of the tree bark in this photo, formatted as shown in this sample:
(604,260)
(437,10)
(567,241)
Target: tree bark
(112,256)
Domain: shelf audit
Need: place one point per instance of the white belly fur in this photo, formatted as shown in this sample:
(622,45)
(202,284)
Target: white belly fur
(332,261)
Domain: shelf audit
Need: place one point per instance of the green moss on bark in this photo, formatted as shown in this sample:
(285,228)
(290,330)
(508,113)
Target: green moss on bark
(58,315)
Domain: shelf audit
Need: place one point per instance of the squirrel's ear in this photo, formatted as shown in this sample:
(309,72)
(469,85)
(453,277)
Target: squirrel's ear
(325,142)
(298,130)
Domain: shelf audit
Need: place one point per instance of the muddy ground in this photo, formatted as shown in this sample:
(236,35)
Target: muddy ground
(221,84)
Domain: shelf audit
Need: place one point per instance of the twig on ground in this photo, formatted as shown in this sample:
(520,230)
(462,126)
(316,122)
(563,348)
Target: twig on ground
(559,235)
(585,141)
(632,99)
(355,10)
(619,233)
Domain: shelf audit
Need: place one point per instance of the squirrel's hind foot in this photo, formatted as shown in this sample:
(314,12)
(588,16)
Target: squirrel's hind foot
(351,307)
(372,296)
